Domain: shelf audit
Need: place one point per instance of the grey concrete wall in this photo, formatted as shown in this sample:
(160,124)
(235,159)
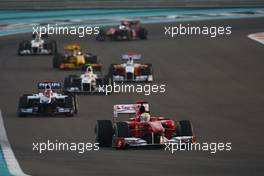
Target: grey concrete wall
(81,4)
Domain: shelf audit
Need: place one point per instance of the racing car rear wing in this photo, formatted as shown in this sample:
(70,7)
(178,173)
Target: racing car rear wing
(53,85)
(129,108)
(132,22)
(131,56)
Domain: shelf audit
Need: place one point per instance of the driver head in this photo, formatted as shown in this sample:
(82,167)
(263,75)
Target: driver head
(89,69)
(144,117)
(48,90)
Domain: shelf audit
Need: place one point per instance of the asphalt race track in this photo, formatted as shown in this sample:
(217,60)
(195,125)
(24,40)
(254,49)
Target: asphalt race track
(215,83)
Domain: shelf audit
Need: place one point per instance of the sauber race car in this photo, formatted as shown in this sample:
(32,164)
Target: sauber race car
(131,71)
(47,102)
(40,45)
(73,58)
(127,30)
(88,82)
(142,129)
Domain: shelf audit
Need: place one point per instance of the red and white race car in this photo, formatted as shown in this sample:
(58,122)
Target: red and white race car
(141,130)
(127,30)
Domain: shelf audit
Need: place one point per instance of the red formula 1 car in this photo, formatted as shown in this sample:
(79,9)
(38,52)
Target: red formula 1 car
(141,130)
(127,30)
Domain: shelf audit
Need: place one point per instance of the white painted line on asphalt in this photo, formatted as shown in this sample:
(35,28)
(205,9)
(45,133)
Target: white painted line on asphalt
(259,37)
(9,156)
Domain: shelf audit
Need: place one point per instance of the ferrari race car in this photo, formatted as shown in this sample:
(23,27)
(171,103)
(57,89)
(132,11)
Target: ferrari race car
(39,45)
(47,102)
(88,82)
(127,30)
(73,58)
(131,71)
(142,130)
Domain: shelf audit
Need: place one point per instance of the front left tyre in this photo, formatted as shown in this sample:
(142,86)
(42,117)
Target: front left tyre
(104,133)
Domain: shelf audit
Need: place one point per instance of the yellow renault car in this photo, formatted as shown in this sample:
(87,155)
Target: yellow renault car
(74,58)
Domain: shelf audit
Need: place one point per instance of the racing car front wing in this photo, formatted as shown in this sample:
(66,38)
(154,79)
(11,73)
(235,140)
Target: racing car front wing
(97,90)
(36,111)
(133,142)
(39,52)
(141,78)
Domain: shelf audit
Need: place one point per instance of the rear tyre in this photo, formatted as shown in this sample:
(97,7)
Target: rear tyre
(148,70)
(69,103)
(184,128)
(53,47)
(101,36)
(22,104)
(104,132)
(111,71)
(67,83)
(24,45)
(91,59)
(143,34)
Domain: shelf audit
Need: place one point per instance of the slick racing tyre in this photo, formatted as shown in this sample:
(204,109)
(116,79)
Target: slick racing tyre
(22,104)
(69,103)
(123,35)
(101,36)
(104,132)
(76,81)
(184,128)
(52,46)
(91,58)
(24,45)
(112,71)
(143,34)
(67,83)
(148,70)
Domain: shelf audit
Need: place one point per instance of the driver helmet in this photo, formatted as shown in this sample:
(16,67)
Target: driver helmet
(125,23)
(37,38)
(48,91)
(121,27)
(89,70)
(144,117)
(130,61)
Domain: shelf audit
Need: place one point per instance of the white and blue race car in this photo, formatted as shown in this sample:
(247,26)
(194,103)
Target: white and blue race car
(39,45)
(47,102)
(90,82)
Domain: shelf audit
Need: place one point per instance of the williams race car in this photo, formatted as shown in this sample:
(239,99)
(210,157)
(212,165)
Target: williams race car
(131,71)
(142,130)
(40,45)
(47,102)
(73,58)
(127,30)
(89,82)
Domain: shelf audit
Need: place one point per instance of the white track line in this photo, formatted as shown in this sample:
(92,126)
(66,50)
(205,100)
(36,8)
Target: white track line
(9,156)
(259,37)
